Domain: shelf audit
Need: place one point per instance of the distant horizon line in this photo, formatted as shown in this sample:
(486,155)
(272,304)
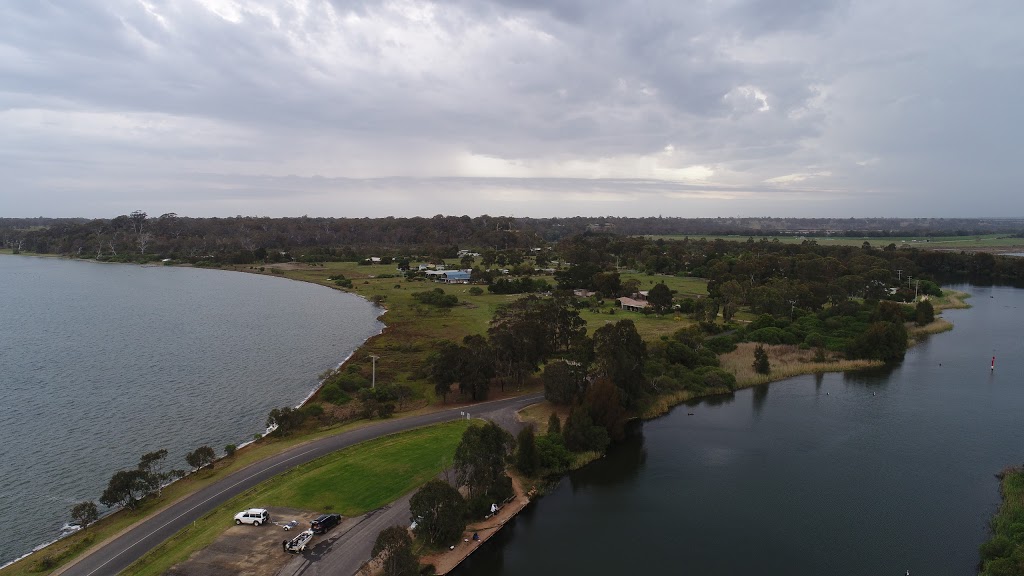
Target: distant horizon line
(521,217)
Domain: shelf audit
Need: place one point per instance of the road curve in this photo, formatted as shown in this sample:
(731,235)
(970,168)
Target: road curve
(119,553)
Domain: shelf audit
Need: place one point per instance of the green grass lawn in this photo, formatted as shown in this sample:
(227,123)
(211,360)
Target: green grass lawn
(368,476)
(650,327)
(683,285)
(351,482)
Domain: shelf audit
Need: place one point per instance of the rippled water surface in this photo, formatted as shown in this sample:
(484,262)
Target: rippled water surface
(858,474)
(101,363)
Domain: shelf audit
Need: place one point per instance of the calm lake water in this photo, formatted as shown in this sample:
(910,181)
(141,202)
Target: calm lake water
(874,473)
(102,363)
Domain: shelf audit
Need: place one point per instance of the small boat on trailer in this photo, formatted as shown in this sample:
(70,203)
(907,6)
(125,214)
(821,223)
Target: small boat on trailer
(299,543)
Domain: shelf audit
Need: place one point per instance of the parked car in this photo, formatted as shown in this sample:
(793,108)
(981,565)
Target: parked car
(254,516)
(324,522)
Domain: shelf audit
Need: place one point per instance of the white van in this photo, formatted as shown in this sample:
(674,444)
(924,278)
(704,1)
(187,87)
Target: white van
(254,516)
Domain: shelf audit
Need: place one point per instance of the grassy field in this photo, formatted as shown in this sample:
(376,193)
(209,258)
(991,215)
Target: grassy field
(981,242)
(650,327)
(351,482)
(683,285)
(369,475)
(412,328)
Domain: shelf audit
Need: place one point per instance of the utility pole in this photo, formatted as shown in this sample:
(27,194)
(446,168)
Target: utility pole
(373,382)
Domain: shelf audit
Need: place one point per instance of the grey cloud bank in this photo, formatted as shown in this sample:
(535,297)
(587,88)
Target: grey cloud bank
(524,107)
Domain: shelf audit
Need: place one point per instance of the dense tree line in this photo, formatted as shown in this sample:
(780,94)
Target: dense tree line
(247,239)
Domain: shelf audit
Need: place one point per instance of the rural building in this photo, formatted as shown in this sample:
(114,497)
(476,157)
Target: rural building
(455,277)
(632,304)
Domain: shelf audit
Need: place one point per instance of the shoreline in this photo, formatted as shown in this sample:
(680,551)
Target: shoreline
(83,534)
(664,402)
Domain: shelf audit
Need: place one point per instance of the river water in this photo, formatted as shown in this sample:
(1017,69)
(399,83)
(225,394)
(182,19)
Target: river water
(872,473)
(101,363)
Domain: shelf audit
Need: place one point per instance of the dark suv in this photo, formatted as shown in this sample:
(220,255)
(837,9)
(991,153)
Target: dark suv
(324,523)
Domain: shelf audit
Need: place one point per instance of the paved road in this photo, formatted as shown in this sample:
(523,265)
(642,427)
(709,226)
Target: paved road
(349,545)
(116,555)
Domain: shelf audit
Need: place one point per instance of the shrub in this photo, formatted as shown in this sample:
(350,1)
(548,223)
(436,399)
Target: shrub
(230,450)
(286,419)
(351,381)
(762,321)
(924,313)
(581,434)
(772,336)
(436,297)
(720,344)
(815,340)
(761,364)
(334,394)
(716,378)
(526,451)
(476,291)
(552,455)
(313,410)
(554,425)
(370,407)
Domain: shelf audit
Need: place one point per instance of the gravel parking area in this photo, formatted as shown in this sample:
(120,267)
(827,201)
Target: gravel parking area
(246,549)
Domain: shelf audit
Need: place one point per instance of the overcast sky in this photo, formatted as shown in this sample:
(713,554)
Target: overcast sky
(522,107)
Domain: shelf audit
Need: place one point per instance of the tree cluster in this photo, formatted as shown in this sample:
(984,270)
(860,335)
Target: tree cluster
(520,337)
(439,510)
(519,285)
(436,297)
(479,465)
(128,487)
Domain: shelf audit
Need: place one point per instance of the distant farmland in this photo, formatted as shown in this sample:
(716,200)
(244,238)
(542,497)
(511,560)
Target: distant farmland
(986,243)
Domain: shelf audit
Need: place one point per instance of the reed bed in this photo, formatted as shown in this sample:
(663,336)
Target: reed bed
(786,362)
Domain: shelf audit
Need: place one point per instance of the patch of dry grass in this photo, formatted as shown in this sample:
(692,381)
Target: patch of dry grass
(786,362)
(938,326)
(539,414)
(950,299)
